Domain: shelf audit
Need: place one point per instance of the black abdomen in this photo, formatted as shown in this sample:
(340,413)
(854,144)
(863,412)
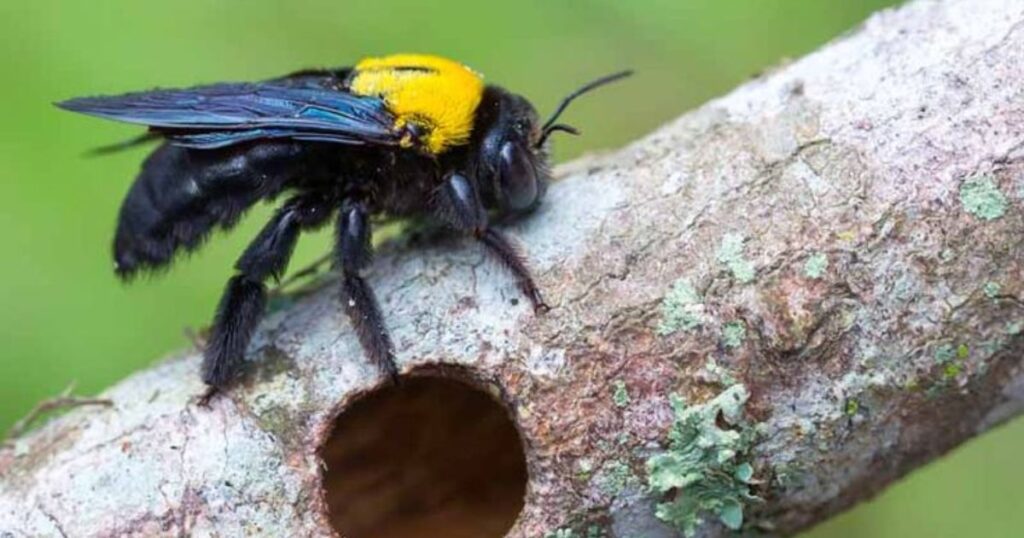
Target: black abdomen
(182,194)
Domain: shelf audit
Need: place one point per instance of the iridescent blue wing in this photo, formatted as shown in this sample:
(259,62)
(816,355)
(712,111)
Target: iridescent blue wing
(225,114)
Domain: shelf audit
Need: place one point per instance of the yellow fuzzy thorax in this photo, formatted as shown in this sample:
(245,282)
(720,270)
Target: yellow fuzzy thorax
(438,94)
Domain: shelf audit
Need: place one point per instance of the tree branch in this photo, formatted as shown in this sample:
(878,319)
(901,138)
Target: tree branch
(771,308)
(65,400)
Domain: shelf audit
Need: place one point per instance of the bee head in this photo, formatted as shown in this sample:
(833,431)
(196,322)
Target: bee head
(513,168)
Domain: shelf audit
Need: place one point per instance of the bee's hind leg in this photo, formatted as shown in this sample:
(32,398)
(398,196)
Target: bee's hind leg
(459,205)
(242,305)
(353,252)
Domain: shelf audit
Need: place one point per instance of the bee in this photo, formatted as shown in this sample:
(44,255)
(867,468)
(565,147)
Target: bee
(398,136)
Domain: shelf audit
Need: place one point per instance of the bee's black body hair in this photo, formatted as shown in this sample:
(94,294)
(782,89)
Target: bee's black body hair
(186,190)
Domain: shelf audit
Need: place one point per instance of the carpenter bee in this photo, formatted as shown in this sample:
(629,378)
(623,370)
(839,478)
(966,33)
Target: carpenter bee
(397,136)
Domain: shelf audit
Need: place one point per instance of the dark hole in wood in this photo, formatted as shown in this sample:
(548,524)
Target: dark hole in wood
(431,457)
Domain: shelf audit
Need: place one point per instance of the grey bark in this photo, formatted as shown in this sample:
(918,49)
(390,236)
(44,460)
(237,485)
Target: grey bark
(841,240)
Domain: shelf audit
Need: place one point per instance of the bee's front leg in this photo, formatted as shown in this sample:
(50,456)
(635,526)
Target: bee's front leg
(459,205)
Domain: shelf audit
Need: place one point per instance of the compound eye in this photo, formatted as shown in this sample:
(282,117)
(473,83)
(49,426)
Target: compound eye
(518,177)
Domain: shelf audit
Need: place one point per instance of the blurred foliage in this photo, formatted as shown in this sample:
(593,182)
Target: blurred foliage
(65,317)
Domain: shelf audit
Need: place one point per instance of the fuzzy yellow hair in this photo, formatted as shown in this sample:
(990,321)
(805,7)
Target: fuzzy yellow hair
(436,93)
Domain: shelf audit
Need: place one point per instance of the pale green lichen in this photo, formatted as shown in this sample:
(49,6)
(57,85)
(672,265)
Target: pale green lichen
(593,531)
(620,396)
(952,359)
(945,353)
(1015,328)
(992,289)
(730,253)
(733,334)
(991,347)
(584,468)
(681,309)
(948,352)
(816,265)
(704,470)
(719,373)
(616,476)
(981,197)
(788,474)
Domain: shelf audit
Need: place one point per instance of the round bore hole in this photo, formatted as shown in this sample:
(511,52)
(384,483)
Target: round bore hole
(430,457)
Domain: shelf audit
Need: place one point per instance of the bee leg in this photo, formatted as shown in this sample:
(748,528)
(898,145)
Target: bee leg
(244,299)
(353,252)
(459,205)
(506,252)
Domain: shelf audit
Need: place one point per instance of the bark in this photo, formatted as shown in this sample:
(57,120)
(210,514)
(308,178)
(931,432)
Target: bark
(826,266)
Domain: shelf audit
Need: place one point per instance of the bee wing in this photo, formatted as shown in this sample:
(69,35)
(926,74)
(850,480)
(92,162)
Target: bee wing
(224,114)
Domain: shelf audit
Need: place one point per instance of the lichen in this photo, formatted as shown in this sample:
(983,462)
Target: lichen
(681,309)
(730,253)
(816,265)
(719,373)
(944,353)
(592,531)
(948,352)
(847,235)
(788,474)
(620,396)
(277,421)
(584,468)
(852,407)
(705,468)
(616,476)
(992,289)
(981,197)
(733,334)
(951,358)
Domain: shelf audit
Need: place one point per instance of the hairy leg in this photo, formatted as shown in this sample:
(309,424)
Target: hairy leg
(241,307)
(459,205)
(508,255)
(352,254)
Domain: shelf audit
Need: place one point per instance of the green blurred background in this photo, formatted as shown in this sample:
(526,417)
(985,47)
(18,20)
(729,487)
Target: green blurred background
(65,317)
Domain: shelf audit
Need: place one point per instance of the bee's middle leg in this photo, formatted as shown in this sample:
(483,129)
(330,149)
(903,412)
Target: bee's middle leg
(353,252)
